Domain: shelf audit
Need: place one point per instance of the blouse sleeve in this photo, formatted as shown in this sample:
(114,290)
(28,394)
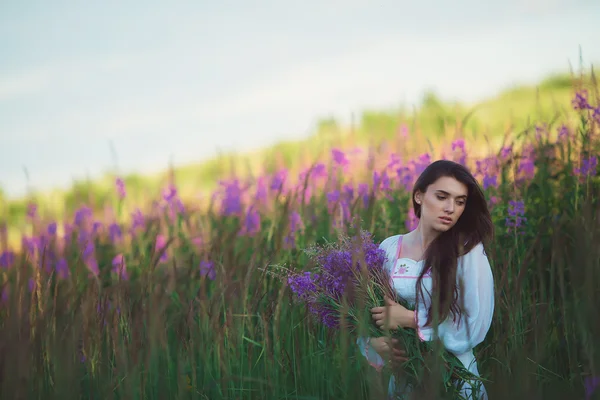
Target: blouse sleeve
(477,310)
(374,359)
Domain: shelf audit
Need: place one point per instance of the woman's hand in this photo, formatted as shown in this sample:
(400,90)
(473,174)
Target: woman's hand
(389,349)
(393,315)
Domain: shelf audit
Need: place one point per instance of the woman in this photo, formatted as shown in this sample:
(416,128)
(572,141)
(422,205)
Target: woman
(443,256)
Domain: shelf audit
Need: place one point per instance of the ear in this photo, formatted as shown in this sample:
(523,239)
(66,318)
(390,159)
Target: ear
(419,197)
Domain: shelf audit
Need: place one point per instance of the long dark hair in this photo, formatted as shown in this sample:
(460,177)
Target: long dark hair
(441,257)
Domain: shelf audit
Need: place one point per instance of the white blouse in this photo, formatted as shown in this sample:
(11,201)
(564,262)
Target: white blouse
(458,337)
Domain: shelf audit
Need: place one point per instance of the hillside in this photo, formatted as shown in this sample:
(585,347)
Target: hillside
(434,123)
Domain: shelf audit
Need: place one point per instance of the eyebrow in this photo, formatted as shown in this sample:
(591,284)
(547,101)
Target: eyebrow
(463,196)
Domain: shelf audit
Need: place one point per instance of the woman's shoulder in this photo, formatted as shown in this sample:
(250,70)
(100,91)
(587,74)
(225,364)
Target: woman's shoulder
(476,257)
(390,242)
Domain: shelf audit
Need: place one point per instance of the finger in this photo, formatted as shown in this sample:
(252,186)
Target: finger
(377,317)
(377,309)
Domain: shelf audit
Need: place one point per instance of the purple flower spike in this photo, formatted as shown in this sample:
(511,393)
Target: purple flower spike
(7,259)
(207,268)
(120,186)
(119,267)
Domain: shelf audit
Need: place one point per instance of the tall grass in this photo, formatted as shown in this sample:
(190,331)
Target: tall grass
(197,315)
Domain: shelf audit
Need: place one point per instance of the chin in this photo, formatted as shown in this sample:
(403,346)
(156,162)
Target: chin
(442,227)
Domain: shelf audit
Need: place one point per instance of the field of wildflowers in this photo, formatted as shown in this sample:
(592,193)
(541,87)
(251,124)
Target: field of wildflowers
(177,302)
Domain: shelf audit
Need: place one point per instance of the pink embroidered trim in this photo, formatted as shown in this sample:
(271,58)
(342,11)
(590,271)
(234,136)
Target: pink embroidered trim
(410,276)
(419,333)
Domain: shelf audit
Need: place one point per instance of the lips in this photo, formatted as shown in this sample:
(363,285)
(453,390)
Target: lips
(446,220)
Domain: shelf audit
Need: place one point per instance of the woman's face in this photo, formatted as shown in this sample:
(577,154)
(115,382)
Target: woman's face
(442,204)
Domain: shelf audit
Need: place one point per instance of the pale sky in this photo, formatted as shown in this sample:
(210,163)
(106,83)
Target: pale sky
(177,82)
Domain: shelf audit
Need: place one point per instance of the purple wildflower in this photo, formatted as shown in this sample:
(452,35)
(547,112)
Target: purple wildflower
(261,190)
(580,101)
(406,177)
(339,158)
(278,180)
(119,267)
(51,229)
(490,181)
(139,221)
(207,269)
(7,259)
(32,210)
(231,202)
(421,163)
(516,212)
(460,151)
(303,285)
(596,115)
(363,192)
(160,246)
(120,187)
(82,215)
(505,153)
(563,133)
(31,285)
(251,222)
(588,167)
(591,383)
(114,231)
(62,268)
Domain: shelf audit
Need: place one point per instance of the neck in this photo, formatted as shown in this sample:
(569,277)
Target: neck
(425,235)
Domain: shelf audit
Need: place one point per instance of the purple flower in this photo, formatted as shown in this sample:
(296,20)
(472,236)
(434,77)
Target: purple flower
(339,267)
(303,285)
(278,180)
(339,158)
(506,153)
(82,215)
(207,269)
(51,229)
(261,190)
(421,163)
(251,222)
(160,245)
(7,259)
(114,231)
(580,101)
(591,383)
(31,285)
(62,268)
(139,221)
(32,210)
(231,203)
(120,187)
(119,267)
(588,167)
(490,181)
(563,133)
(363,192)
(460,151)
(406,177)
(596,115)
(516,212)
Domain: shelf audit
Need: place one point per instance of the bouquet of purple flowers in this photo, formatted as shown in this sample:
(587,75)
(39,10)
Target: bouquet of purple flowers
(348,280)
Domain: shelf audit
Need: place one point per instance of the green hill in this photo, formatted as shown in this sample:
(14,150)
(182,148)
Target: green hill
(434,122)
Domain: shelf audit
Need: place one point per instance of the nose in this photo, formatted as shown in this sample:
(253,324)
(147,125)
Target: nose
(449,207)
